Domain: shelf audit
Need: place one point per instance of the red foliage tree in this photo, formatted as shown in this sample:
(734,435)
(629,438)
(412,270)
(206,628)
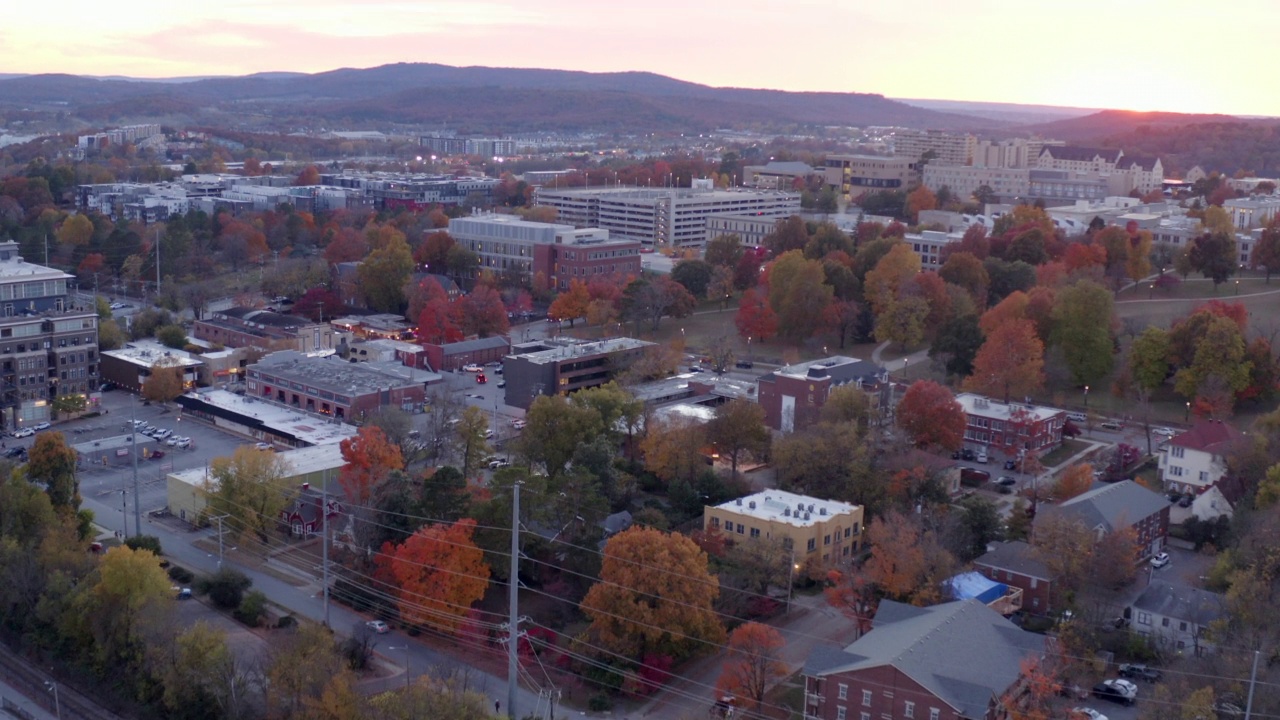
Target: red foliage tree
(930,414)
(481,312)
(755,318)
(318,303)
(369,457)
(345,245)
(438,572)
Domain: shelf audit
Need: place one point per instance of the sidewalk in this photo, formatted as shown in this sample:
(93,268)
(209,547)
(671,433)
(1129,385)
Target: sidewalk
(15,704)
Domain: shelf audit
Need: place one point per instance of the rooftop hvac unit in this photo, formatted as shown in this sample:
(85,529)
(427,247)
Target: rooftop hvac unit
(752,504)
(786,512)
(806,516)
(822,511)
(810,507)
(739,501)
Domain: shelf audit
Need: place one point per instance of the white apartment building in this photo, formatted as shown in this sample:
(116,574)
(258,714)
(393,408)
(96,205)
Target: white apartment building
(929,244)
(947,148)
(1252,212)
(1013,153)
(663,217)
(750,229)
(964,180)
(1197,459)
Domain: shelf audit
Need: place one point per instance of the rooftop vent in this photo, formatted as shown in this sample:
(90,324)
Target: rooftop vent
(786,512)
(739,501)
(817,372)
(810,507)
(806,516)
(822,511)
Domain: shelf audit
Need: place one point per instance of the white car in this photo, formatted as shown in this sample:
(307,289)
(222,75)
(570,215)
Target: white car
(41,426)
(1160,560)
(23,432)
(162,434)
(184,442)
(378,627)
(1086,713)
(518,424)
(472,367)
(1164,431)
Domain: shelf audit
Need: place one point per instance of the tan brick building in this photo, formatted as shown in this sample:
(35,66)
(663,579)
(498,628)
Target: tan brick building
(823,530)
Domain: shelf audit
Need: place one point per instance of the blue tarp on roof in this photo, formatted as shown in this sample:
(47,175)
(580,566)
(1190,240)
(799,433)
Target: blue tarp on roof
(975,585)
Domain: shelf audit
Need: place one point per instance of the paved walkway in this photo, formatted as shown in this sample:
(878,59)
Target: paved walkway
(10,699)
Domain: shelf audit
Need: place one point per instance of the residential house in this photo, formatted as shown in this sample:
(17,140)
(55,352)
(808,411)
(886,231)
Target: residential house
(1176,615)
(1197,459)
(1126,504)
(814,529)
(1015,564)
(946,662)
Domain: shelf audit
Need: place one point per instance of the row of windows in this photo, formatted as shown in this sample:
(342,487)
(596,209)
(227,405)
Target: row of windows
(755,532)
(908,706)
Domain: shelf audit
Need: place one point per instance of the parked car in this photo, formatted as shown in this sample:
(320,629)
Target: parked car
(41,426)
(967,454)
(15,452)
(1077,417)
(1010,464)
(499,463)
(156,455)
(378,627)
(518,424)
(481,379)
(1086,713)
(1004,489)
(1112,425)
(1164,431)
(23,432)
(182,593)
(1186,501)
(471,367)
(1006,480)
(1160,560)
(1116,691)
(982,457)
(162,434)
(502,383)
(1139,672)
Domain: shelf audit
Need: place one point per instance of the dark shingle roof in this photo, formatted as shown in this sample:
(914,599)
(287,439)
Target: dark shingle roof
(489,343)
(1113,506)
(1181,602)
(963,652)
(1015,556)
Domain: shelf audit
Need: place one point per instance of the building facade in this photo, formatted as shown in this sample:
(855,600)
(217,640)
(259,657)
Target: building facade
(561,367)
(663,217)
(792,397)
(47,348)
(452,356)
(1015,563)
(559,253)
(810,529)
(777,175)
(1177,617)
(1193,461)
(1012,428)
(130,366)
(333,388)
(853,175)
(265,330)
(943,147)
(750,229)
(964,180)
(1120,506)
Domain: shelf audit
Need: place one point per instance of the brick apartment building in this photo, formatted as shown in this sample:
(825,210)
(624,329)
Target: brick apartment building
(793,396)
(553,251)
(1117,506)
(1015,564)
(243,327)
(1011,428)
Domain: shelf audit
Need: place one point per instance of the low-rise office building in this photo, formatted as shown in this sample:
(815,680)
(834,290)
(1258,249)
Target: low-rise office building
(557,253)
(478,351)
(265,330)
(793,396)
(1012,428)
(750,229)
(853,175)
(564,366)
(330,387)
(130,366)
(262,421)
(811,529)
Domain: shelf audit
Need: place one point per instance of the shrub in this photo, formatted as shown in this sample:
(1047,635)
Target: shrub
(252,609)
(600,703)
(225,588)
(144,542)
(288,621)
(180,574)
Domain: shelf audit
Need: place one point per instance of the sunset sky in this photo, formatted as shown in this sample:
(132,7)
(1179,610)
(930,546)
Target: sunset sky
(1131,54)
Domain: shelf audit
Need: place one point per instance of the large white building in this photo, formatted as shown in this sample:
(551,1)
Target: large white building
(663,217)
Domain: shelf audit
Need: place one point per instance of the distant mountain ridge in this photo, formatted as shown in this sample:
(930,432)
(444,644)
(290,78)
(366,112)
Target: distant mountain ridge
(495,99)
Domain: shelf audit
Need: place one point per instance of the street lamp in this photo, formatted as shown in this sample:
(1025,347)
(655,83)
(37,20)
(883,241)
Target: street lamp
(791,578)
(1151,289)
(906,368)
(1237,287)
(405,648)
(1086,398)
(1186,416)
(57,704)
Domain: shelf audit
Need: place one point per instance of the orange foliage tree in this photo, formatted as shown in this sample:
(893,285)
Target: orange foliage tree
(854,595)
(908,562)
(369,457)
(1010,362)
(754,662)
(930,414)
(1076,480)
(570,304)
(437,574)
(655,595)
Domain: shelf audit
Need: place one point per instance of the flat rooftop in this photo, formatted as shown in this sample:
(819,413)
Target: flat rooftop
(986,407)
(787,507)
(557,350)
(336,375)
(653,194)
(147,353)
(840,368)
(307,428)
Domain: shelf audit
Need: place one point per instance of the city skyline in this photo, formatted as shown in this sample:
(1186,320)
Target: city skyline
(989,53)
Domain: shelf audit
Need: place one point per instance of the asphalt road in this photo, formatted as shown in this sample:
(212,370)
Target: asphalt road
(101,492)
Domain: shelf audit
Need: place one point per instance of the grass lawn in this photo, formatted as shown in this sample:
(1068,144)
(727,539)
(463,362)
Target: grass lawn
(1059,455)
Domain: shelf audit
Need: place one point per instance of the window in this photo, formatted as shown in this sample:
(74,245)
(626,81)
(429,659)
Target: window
(1182,626)
(866,698)
(1175,470)
(741,528)
(909,709)
(826,540)
(848,532)
(840,712)
(755,532)
(842,691)
(715,522)
(813,544)
(1144,618)
(1164,622)
(933,713)
(1178,452)
(1034,583)
(864,716)
(1204,476)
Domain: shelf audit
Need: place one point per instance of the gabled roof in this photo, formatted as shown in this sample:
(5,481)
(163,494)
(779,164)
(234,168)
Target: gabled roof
(1113,506)
(1144,162)
(1209,436)
(1080,154)
(963,652)
(1015,556)
(1181,602)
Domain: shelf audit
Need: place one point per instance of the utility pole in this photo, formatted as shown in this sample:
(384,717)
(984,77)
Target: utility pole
(1253,680)
(157,264)
(124,511)
(513,586)
(324,546)
(133,436)
(219,518)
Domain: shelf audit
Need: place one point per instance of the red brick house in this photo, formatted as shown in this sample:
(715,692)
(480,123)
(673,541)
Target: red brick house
(1109,508)
(793,396)
(946,662)
(1015,564)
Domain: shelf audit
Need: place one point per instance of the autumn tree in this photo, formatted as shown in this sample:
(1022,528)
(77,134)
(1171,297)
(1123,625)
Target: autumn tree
(755,318)
(1010,362)
(368,457)
(1065,546)
(53,463)
(754,663)
(653,298)
(1266,252)
(655,595)
(1075,480)
(721,287)
(383,275)
(789,234)
(903,322)
(930,415)
(469,442)
(76,230)
(299,666)
(886,280)
(797,294)
(570,304)
(1215,256)
(966,271)
(922,198)
(1114,564)
(251,488)
(482,313)
(120,605)
(694,275)
(1082,317)
(738,429)
(437,318)
(908,562)
(957,344)
(165,381)
(673,448)
(724,251)
(555,425)
(438,572)
(1220,353)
